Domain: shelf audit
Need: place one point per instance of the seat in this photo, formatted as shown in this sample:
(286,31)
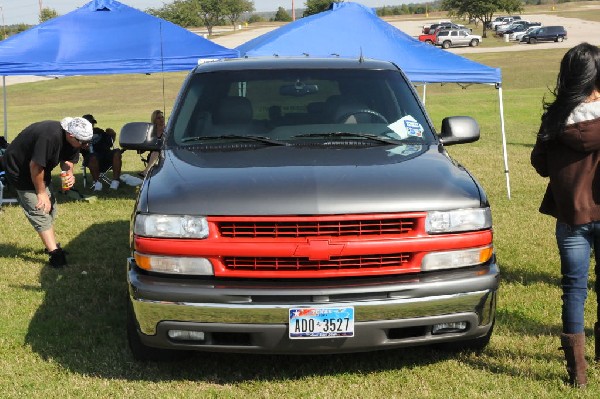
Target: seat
(233,115)
(3,186)
(102,177)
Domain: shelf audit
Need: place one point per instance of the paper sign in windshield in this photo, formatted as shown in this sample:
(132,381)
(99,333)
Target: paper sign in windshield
(407,127)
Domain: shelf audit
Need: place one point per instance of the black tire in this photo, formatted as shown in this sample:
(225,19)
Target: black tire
(474,43)
(144,353)
(429,41)
(559,39)
(446,44)
(532,40)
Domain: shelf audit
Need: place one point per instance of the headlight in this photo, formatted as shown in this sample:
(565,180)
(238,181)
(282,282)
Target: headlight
(456,259)
(174,264)
(458,220)
(171,226)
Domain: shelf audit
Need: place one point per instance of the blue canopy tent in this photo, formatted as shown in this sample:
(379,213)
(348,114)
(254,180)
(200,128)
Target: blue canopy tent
(104,37)
(353,30)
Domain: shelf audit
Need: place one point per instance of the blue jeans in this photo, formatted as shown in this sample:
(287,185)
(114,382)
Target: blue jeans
(575,244)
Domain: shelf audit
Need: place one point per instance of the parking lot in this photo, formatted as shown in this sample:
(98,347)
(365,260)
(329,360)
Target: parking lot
(578,31)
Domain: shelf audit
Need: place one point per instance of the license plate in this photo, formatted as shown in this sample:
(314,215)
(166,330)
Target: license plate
(321,322)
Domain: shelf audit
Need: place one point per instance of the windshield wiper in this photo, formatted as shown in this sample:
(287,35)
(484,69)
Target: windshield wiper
(347,134)
(261,139)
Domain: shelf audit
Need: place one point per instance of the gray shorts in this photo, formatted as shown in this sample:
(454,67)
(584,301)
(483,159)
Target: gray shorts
(39,220)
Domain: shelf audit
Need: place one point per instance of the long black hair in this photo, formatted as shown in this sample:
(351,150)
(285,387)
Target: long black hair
(579,75)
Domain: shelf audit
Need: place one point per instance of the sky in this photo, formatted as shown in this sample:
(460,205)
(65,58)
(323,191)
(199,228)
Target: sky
(27,11)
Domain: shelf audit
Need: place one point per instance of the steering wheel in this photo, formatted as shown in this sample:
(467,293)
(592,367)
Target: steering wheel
(347,115)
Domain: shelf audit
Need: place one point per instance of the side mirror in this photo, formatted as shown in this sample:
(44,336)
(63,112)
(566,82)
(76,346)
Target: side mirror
(459,130)
(138,136)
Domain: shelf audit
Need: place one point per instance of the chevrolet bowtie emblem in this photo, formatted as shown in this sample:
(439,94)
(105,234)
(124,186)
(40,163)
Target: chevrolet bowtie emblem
(318,250)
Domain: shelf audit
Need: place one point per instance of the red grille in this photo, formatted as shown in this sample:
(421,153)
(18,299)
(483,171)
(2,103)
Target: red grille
(305,264)
(312,228)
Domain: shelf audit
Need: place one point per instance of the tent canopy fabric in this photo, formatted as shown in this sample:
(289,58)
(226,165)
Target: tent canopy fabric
(105,37)
(353,30)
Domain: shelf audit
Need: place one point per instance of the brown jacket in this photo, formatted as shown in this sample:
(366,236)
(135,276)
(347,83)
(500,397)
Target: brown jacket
(571,162)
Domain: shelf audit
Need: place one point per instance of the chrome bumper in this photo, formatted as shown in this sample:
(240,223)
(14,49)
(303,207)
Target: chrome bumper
(389,312)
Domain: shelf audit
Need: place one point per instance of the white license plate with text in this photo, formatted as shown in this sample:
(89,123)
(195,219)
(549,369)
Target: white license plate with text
(321,322)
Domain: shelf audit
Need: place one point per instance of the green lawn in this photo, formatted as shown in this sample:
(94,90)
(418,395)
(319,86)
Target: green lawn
(62,331)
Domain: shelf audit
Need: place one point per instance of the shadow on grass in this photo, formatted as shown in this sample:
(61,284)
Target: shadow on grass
(524,276)
(12,251)
(81,326)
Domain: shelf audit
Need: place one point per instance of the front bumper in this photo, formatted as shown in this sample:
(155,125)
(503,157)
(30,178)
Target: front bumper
(252,316)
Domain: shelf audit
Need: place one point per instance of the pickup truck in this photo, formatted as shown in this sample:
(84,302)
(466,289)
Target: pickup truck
(306,206)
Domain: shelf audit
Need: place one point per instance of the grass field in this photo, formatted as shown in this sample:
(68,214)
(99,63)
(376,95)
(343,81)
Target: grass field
(62,331)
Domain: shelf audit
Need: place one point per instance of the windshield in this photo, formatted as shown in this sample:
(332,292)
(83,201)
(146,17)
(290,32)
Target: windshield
(288,106)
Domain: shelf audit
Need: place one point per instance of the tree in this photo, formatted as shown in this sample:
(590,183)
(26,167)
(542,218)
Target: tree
(233,9)
(181,12)
(208,13)
(480,10)
(317,6)
(47,13)
(282,15)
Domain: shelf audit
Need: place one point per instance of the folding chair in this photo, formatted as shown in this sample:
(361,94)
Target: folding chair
(3,184)
(102,177)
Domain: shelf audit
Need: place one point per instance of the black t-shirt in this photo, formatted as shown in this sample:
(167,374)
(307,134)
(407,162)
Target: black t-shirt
(44,143)
(101,143)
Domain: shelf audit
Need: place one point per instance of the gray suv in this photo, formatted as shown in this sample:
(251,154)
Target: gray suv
(306,206)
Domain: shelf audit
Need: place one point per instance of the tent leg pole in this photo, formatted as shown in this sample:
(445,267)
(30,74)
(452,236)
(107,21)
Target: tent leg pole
(4,101)
(504,141)
(424,93)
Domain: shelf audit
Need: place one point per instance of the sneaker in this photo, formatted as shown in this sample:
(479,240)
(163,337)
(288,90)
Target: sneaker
(97,186)
(114,184)
(58,258)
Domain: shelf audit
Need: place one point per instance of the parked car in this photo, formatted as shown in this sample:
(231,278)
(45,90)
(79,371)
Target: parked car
(457,37)
(431,37)
(501,29)
(304,206)
(444,25)
(428,29)
(545,34)
(521,28)
(518,35)
(490,24)
(504,21)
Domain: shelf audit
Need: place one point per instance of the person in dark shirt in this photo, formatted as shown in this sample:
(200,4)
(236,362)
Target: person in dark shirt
(28,162)
(100,155)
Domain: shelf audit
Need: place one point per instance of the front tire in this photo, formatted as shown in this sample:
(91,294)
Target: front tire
(559,39)
(474,43)
(446,44)
(532,40)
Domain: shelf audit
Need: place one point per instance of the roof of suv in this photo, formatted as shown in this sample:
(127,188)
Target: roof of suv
(233,64)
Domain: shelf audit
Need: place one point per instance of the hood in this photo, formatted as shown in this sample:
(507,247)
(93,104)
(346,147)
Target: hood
(582,132)
(307,181)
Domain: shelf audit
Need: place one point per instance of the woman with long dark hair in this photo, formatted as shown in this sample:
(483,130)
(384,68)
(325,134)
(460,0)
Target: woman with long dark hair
(567,151)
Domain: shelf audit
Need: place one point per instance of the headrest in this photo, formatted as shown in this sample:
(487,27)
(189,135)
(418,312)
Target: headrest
(233,110)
